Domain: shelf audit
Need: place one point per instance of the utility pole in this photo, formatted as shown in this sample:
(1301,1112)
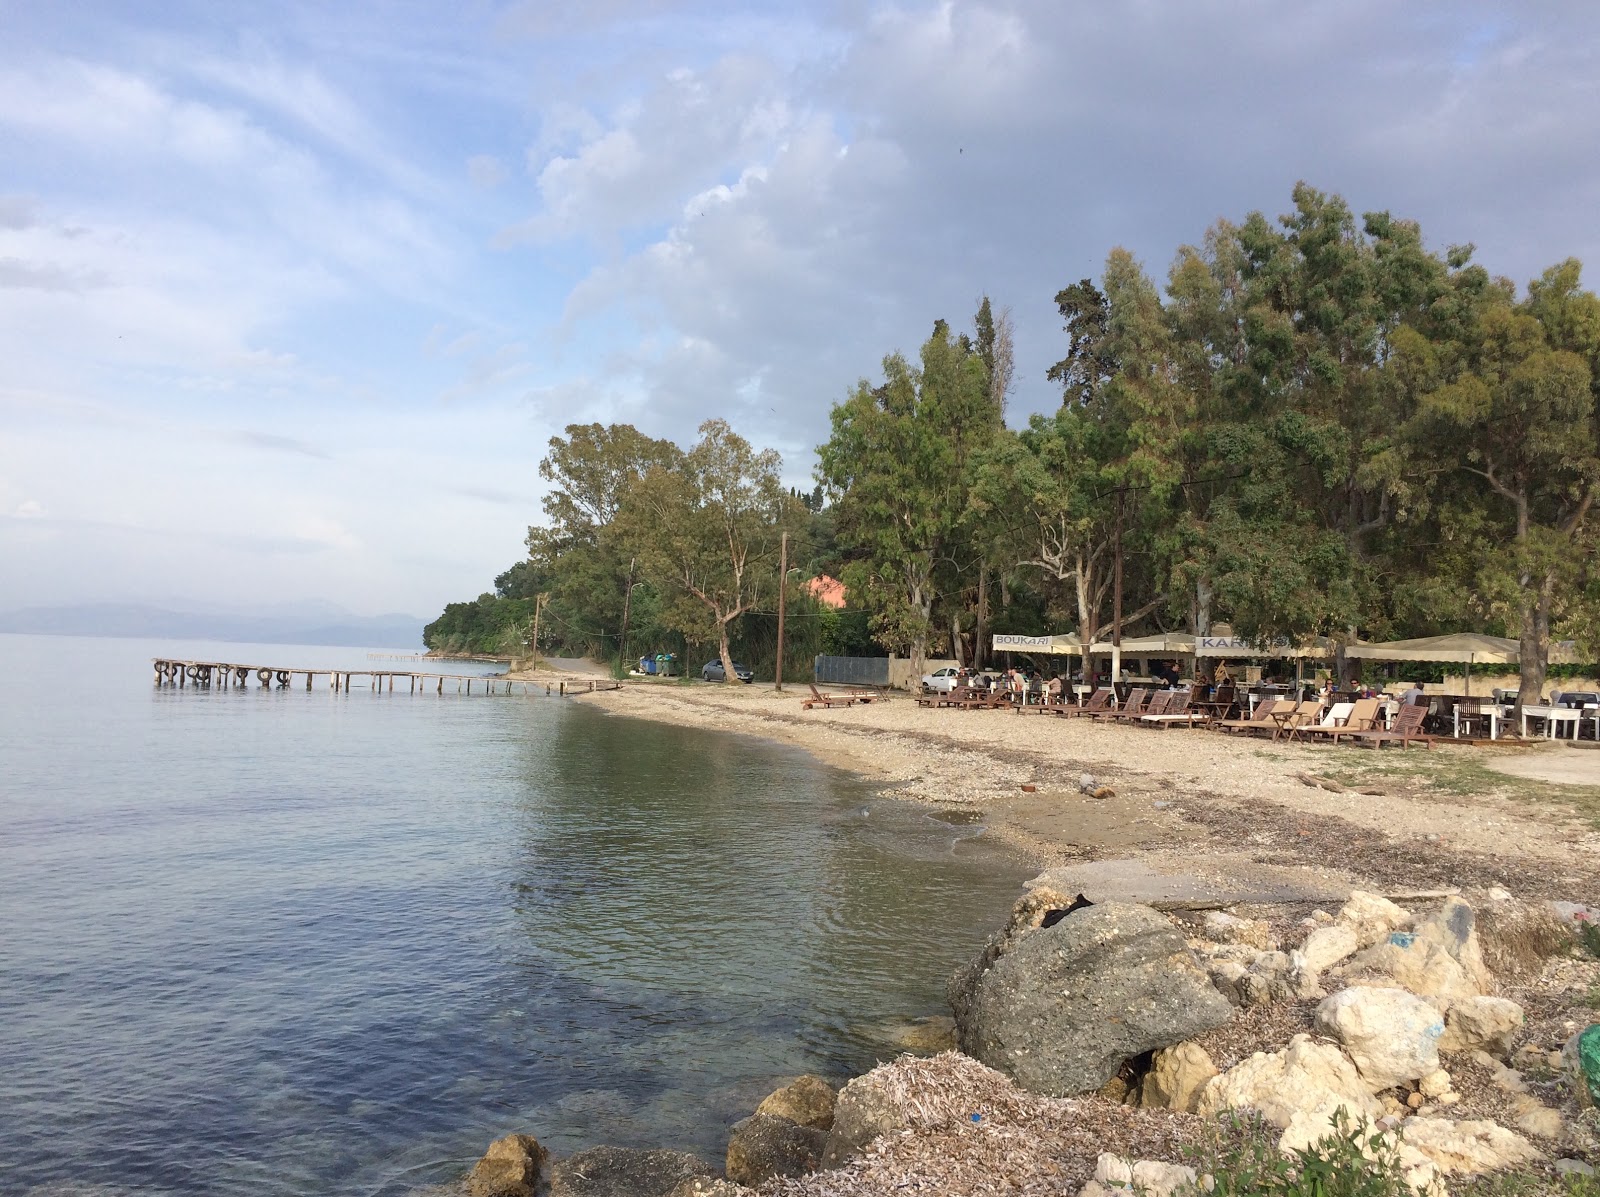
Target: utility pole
(783,594)
(627,606)
(1116,600)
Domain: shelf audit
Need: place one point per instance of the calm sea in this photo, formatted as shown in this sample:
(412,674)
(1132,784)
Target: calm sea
(278,942)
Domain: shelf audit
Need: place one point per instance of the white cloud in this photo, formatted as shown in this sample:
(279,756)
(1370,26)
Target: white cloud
(29,509)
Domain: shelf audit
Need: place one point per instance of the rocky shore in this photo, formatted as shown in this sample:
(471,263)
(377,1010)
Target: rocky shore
(1219,958)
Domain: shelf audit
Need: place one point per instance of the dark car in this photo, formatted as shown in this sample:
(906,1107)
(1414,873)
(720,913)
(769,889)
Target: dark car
(713,672)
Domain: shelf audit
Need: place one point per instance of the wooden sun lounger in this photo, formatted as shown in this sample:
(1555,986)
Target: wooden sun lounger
(1100,701)
(819,699)
(1177,714)
(1138,703)
(1405,731)
(1362,715)
(1260,721)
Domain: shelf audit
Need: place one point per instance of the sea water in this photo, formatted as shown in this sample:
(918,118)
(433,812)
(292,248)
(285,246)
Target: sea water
(278,942)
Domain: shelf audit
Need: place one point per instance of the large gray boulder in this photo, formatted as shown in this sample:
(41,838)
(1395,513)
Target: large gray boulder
(623,1172)
(1060,1008)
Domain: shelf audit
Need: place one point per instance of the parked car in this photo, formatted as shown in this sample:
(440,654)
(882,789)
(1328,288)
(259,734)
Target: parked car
(713,672)
(940,680)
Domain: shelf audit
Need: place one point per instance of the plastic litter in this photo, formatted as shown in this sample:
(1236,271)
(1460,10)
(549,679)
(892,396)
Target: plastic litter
(1402,939)
(1589,1060)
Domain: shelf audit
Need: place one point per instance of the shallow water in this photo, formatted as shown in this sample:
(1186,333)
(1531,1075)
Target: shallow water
(278,942)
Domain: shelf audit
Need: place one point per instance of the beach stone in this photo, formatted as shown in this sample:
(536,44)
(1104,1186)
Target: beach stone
(928,1036)
(1533,1117)
(1176,1076)
(1151,1178)
(866,1108)
(1392,1036)
(1244,975)
(763,1146)
(1482,1024)
(807,1100)
(1455,930)
(1574,1168)
(511,1167)
(1436,1084)
(1230,928)
(1468,1147)
(1372,917)
(1065,1006)
(1421,966)
(623,1172)
(1306,1078)
(1326,946)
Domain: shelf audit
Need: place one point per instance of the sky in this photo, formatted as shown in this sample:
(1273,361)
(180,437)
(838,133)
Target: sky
(293,296)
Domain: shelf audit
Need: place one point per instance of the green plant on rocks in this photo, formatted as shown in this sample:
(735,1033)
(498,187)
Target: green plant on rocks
(1240,1154)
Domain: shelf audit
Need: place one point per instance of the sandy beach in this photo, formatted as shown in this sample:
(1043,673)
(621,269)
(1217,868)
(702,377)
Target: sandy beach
(1195,800)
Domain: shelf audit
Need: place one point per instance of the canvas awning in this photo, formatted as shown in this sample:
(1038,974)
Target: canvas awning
(1054,646)
(1238,647)
(1467,648)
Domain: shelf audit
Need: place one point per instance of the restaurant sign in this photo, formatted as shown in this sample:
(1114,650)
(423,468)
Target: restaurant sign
(1238,646)
(1036,644)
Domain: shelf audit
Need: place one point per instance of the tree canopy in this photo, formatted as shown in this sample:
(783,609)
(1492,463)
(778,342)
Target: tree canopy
(1317,425)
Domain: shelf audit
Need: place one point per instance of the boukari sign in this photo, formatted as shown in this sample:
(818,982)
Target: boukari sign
(1022,644)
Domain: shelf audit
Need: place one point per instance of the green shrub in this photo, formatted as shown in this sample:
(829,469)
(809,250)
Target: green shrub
(1241,1156)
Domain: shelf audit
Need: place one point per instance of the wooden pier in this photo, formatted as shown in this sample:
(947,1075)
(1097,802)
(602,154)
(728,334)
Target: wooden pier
(221,674)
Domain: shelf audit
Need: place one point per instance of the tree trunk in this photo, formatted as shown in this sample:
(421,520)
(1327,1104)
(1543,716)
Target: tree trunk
(956,648)
(980,648)
(1534,649)
(728,676)
(1202,607)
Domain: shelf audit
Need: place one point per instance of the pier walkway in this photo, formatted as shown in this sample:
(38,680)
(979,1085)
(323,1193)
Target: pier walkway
(170,672)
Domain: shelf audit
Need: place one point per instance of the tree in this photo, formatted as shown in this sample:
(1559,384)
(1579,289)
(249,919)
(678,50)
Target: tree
(588,574)
(895,470)
(705,529)
(1513,403)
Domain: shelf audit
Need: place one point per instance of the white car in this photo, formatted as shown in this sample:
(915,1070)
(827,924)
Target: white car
(941,681)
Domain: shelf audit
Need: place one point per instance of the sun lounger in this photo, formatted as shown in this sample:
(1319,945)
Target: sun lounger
(1100,701)
(1405,731)
(1360,715)
(1260,721)
(1138,703)
(819,699)
(1177,714)
(1301,715)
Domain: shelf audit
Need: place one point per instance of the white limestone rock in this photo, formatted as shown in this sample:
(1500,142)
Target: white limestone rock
(1306,1078)
(1391,1035)
(1115,1175)
(1482,1024)
(1176,1077)
(1468,1147)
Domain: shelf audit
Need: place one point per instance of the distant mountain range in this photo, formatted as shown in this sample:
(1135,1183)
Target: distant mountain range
(302,623)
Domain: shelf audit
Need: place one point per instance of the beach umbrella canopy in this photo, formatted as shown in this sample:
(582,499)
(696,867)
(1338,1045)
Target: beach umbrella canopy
(1055,646)
(1467,648)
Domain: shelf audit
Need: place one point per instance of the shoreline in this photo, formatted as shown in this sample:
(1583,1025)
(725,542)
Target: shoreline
(1186,801)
